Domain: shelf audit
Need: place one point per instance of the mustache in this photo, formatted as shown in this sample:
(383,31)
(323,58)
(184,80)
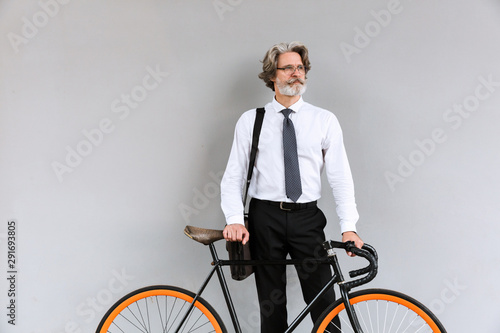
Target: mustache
(296,79)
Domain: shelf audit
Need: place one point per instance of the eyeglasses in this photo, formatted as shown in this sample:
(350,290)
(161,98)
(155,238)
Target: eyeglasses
(289,70)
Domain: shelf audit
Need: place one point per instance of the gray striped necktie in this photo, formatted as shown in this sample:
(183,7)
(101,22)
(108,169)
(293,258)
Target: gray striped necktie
(292,172)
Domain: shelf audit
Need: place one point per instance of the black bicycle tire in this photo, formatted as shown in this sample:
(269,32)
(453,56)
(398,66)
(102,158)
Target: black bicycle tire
(356,297)
(188,293)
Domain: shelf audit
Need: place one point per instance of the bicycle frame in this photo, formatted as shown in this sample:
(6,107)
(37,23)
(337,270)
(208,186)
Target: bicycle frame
(336,278)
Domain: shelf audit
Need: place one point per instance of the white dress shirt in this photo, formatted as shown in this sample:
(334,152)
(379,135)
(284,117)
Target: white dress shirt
(320,146)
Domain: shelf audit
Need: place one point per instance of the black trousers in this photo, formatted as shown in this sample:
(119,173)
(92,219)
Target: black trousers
(274,234)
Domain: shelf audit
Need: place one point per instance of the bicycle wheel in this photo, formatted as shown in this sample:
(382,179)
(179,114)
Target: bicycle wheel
(160,309)
(382,311)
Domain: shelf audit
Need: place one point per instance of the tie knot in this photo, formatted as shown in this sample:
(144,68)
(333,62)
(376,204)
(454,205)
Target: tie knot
(286,112)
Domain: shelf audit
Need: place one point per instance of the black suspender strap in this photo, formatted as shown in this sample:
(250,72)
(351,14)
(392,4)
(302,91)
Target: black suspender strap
(259,118)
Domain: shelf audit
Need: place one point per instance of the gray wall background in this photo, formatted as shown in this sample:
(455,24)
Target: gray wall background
(103,163)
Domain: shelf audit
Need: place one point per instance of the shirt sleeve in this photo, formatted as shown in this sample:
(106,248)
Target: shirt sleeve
(339,175)
(234,179)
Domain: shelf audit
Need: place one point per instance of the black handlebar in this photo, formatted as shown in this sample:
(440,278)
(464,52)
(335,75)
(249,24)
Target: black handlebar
(367,251)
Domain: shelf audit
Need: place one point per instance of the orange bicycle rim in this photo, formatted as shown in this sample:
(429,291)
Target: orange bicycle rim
(159,292)
(380,297)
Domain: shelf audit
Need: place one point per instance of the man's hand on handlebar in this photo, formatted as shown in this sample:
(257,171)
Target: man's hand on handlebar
(353,237)
(236,233)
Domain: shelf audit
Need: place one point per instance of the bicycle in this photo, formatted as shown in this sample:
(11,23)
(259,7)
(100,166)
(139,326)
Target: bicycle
(162,308)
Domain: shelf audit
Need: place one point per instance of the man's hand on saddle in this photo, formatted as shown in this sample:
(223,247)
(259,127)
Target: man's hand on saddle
(236,233)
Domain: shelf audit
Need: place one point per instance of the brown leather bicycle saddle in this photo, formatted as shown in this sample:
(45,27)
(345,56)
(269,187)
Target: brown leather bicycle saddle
(204,236)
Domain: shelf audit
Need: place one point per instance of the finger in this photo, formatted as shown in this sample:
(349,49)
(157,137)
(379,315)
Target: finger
(226,232)
(246,237)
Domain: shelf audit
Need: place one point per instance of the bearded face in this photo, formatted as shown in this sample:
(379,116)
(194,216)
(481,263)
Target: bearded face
(292,87)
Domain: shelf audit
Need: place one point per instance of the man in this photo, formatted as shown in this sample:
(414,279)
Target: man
(283,216)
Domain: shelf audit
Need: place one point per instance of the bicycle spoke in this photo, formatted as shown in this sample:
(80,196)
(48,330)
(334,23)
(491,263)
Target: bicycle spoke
(147,312)
(142,317)
(401,322)
(177,315)
(170,315)
(121,315)
(159,311)
(345,323)
(385,317)
(195,325)
(378,317)
(164,327)
(393,318)
(363,321)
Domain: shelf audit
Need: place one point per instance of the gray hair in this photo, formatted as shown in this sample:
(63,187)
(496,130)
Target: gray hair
(270,61)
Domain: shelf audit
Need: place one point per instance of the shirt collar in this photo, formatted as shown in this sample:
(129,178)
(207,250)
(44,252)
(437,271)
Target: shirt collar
(294,107)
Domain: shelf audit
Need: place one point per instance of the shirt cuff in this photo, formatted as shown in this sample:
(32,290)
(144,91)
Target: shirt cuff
(347,226)
(235,219)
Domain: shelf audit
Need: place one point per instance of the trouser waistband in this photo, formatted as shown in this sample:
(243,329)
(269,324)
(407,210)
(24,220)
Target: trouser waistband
(290,205)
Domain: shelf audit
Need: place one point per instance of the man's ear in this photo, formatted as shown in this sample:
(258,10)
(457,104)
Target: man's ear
(273,80)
